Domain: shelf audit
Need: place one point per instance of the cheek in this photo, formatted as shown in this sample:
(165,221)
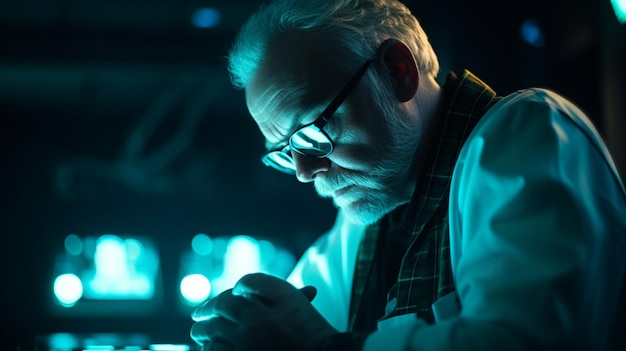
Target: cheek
(360,148)
(363,137)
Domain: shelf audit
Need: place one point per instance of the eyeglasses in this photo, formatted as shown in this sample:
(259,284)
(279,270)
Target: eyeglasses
(311,140)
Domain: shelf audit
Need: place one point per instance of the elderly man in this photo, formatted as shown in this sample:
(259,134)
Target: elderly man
(466,220)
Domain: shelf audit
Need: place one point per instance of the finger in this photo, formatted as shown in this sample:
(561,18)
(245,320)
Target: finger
(309,291)
(215,329)
(225,305)
(266,288)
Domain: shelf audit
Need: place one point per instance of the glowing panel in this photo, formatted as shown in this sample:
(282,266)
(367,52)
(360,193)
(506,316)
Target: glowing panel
(117,270)
(105,267)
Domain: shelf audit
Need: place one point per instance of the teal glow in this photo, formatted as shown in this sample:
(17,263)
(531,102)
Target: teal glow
(206,18)
(230,258)
(242,257)
(122,269)
(68,289)
(99,348)
(195,288)
(619,6)
(220,245)
(73,244)
(134,249)
(110,258)
(169,347)
(268,251)
(202,244)
(63,341)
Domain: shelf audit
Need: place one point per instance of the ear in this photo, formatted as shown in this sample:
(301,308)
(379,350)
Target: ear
(402,67)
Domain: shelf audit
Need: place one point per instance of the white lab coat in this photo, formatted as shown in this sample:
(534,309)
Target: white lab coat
(537,233)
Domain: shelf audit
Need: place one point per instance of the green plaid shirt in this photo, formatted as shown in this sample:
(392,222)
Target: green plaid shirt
(422,260)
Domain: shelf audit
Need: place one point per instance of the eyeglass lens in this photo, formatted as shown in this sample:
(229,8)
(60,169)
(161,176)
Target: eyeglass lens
(311,141)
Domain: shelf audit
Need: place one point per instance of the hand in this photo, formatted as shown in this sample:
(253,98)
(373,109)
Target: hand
(261,312)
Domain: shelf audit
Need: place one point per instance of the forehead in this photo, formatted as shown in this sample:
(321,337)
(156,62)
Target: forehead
(298,77)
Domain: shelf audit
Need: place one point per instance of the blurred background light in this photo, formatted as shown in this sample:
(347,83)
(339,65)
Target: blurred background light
(242,256)
(169,347)
(202,244)
(64,341)
(195,288)
(73,244)
(216,264)
(205,17)
(531,33)
(99,348)
(117,268)
(68,289)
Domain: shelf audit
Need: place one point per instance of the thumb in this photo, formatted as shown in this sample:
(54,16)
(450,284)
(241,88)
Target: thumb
(309,291)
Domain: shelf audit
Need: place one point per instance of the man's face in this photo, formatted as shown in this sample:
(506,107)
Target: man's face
(367,173)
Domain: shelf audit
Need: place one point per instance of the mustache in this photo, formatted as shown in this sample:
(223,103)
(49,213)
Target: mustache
(327,185)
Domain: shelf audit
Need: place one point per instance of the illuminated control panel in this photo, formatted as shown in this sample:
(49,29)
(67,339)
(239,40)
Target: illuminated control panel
(114,274)
(107,267)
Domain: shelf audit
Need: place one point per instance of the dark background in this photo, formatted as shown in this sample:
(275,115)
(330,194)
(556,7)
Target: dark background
(82,81)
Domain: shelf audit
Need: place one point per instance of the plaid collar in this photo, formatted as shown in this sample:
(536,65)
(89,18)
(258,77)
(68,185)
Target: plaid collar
(465,100)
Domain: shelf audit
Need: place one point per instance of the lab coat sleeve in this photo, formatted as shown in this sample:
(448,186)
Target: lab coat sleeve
(537,231)
(328,265)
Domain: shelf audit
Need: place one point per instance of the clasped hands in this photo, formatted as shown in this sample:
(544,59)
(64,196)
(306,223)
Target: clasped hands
(261,312)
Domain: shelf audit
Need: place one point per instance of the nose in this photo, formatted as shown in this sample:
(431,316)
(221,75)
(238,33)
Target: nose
(308,167)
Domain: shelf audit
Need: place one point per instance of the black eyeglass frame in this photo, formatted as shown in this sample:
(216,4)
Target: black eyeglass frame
(319,123)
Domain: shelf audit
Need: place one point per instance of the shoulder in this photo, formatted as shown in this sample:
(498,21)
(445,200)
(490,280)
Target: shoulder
(533,115)
(533,104)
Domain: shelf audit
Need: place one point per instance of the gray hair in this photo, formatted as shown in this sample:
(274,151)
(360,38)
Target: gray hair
(357,25)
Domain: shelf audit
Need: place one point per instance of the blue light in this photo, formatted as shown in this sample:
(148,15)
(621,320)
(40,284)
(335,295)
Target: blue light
(531,33)
(206,18)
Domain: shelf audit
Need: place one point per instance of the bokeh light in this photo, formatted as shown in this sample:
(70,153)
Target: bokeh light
(68,289)
(195,288)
